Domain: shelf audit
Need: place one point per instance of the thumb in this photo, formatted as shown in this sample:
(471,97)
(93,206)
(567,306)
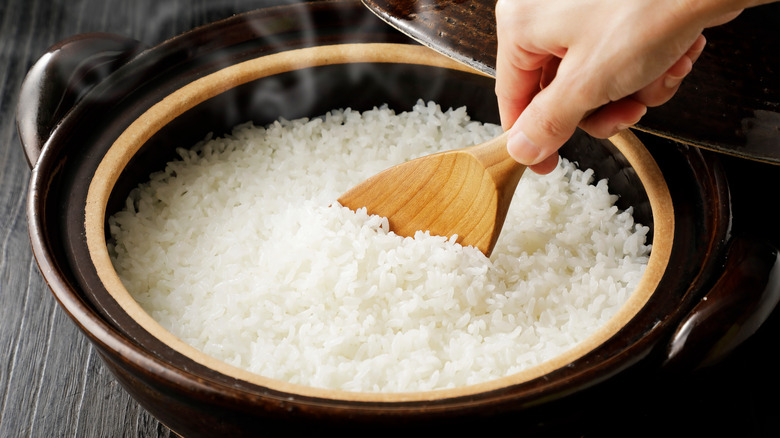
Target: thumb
(548,121)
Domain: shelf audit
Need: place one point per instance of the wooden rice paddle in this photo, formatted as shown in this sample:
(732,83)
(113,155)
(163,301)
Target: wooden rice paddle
(465,192)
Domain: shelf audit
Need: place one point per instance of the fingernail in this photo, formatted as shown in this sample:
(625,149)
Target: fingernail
(672,81)
(522,149)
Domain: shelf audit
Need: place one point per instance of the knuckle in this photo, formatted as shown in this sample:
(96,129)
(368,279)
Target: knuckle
(548,124)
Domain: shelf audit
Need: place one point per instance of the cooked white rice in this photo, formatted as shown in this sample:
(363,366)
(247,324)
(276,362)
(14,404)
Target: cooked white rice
(239,250)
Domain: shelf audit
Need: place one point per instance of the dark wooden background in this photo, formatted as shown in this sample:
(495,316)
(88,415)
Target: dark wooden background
(52,384)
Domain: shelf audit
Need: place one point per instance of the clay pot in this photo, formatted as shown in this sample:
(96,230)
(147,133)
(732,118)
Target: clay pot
(99,113)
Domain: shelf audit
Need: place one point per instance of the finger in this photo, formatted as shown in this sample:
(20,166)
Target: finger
(665,87)
(723,19)
(681,68)
(697,48)
(518,71)
(547,121)
(613,117)
(515,86)
(546,166)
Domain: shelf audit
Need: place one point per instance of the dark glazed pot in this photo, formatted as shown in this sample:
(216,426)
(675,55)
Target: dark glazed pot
(81,98)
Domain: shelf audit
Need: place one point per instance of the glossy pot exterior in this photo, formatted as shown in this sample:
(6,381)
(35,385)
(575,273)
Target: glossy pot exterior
(88,89)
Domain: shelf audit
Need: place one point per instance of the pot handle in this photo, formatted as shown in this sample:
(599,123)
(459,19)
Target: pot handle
(61,78)
(739,302)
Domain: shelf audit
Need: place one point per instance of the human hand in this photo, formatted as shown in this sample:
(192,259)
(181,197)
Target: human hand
(596,64)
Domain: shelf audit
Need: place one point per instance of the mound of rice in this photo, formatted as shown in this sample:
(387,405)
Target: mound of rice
(238,249)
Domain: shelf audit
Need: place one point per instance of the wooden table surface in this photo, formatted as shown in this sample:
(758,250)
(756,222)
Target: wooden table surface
(52,383)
